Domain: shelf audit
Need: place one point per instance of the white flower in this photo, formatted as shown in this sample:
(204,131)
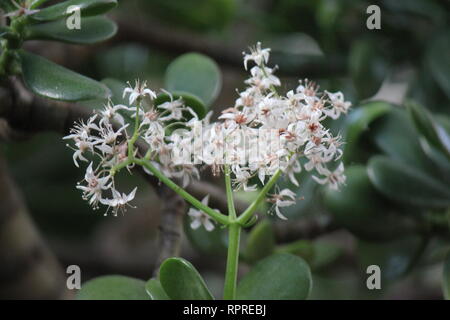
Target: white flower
(174,108)
(139,91)
(95,186)
(22,10)
(80,133)
(258,55)
(108,135)
(339,105)
(333,179)
(200,218)
(242,179)
(284,198)
(109,113)
(120,201)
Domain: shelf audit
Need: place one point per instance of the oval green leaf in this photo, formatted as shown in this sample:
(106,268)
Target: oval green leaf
(181,281)
(87,8)
(395,258)
(50,80)
(94,29)
(281,276)
(155,290)
(429,128)
(367,67)
(260,242)
(113,287)
(358,123)
(403,183)
(362,210)
(196,74)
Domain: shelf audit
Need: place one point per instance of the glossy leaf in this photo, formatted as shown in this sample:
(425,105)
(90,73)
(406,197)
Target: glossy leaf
(395,135)
(50,80)
(189,99)
(36,3)
(94,29)
(260,242)
(367,67)
(155,290)
(403,183)
(181,281)
(446,278)
(196,74)
(113,288)
(358,123)
(362,210)
(429,128)
(87,8)
(395,258)
(281,276)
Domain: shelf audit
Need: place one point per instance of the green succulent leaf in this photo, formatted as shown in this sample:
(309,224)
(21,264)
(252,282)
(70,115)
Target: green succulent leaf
(87,8)
(196,74)
(429,128)
(403,183)
(50,80)
(155,290)
(358,123)
(33,4)
(362,210)
(395,258)
(94,29)
(367,67)
(260,242)
(181,281)
(395,135)
(113,287)
(281,276)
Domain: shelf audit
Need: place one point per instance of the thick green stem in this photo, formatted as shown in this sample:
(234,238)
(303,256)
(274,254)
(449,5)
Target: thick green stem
(230,200)
(219,217)
(234,233)
(247,214)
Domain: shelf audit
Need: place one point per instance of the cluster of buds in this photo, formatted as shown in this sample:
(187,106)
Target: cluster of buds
(263,135)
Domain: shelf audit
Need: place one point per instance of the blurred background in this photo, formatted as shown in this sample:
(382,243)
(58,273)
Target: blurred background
(393,212)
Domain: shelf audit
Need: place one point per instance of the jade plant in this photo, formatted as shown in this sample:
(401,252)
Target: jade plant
(264,136)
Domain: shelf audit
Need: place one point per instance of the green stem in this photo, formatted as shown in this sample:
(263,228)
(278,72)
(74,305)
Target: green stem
(219,217)
(234,233)
(230,200)
(247,214)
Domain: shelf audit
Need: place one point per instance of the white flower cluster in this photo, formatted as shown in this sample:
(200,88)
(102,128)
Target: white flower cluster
(264,132)
(104,138)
